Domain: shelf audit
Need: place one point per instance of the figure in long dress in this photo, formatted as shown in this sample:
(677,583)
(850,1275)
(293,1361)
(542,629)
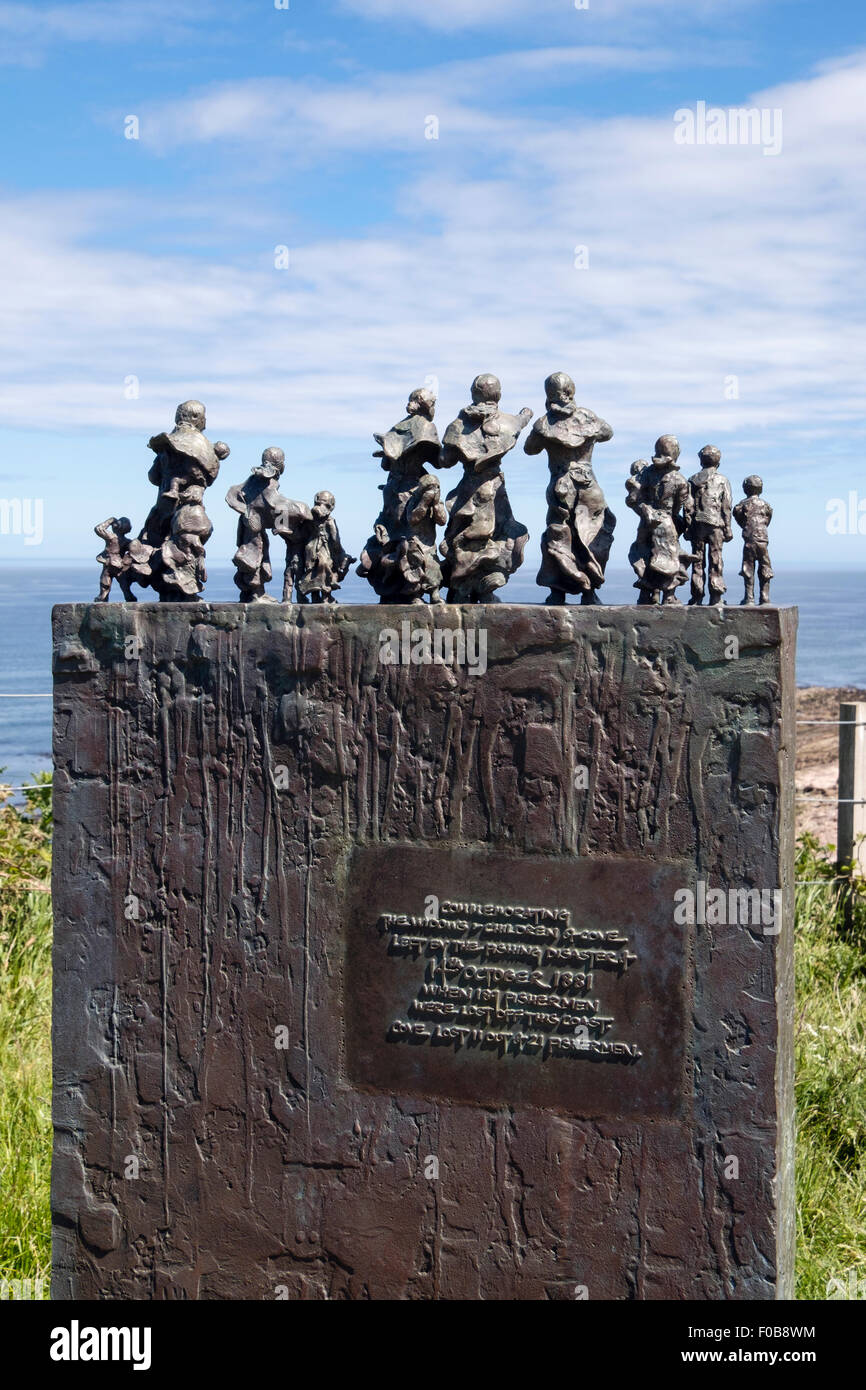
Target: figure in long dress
(483,543)
(325,563)
(577,540)
(262,508)
(400,559)
(169,553)
(660,495)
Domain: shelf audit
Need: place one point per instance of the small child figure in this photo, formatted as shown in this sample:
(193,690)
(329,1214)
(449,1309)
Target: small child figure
(324,561)
(754,515)
(115,558)
(632,482)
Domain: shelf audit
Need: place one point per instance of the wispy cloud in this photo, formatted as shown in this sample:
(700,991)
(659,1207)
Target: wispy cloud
(453,15)
(29,31)
(471,99)
(704,264)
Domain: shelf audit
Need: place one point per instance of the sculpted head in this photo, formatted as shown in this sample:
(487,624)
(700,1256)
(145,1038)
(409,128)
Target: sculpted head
(559,389)
(753,486)
(422,402)
(190,415)
(273,462)
(667,450)
(710,456)
(323,505)
(486,390)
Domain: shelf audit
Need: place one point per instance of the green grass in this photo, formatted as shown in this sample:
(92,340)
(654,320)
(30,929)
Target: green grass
(830,1041)
(25,1088)
(25,1050)
(831,1085)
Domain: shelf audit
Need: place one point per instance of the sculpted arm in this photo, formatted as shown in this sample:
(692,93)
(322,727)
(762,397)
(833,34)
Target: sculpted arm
(236,499)
(449,454)
(535,441)
(597,429)
(726,511)
(687,501)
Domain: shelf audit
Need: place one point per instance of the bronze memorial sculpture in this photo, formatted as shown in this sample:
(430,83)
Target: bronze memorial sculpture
(577,540)
(259,502)
(263,508)
(114,558)
(659,494)
(323,561)
(169,554)
(400,559)
(503,887)
(753,515)
(682,523)
(709,525)
(315,559)
(483,543)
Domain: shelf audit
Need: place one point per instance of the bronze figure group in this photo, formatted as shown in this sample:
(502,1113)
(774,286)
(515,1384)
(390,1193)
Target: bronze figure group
(168,555)
(315,560)
(683,523)
(695,512)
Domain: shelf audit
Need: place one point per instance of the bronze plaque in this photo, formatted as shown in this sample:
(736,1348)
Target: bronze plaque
(518,979)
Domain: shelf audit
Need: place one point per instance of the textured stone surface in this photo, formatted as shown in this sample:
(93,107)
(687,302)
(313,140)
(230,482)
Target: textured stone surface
(249,1082)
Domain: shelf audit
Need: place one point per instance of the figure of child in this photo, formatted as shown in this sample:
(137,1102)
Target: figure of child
(325,562)
(754,515)
(115,559)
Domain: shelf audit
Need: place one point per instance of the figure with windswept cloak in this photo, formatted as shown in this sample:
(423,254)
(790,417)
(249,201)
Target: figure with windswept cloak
(168,555)
(659,494)
(579,532)
(324,562)
(400,560)
(261,508)
(483,543)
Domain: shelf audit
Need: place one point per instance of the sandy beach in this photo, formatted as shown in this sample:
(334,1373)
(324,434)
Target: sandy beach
(818,758)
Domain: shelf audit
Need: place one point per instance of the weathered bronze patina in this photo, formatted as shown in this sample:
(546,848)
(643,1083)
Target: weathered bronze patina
(383,976)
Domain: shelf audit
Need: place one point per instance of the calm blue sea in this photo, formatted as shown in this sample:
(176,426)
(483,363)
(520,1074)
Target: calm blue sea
(831,648)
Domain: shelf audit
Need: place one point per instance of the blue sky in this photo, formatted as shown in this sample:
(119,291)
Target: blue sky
(720,294)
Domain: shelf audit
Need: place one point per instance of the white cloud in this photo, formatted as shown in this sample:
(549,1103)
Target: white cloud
(448,14)
(386,111)
(28,31)
(452,15)
(704,263)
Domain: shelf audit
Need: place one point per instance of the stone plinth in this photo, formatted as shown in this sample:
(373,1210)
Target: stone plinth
(414,979)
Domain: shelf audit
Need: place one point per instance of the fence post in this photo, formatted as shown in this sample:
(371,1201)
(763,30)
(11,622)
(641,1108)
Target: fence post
(851,818)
